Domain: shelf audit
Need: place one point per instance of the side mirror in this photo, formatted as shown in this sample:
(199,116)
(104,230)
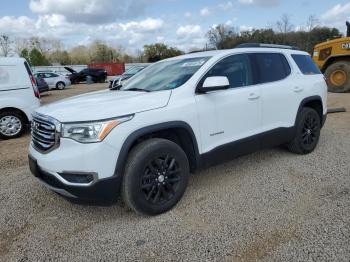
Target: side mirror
(214,83)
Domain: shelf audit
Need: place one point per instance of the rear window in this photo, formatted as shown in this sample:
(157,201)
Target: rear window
(271,67)
(306,65)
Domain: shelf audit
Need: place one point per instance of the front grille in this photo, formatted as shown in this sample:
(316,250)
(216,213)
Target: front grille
(44,134)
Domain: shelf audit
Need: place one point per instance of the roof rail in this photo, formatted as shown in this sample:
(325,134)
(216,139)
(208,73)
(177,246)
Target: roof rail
(262,45)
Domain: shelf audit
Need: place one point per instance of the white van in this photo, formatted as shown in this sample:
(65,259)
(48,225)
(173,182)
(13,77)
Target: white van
(19,96)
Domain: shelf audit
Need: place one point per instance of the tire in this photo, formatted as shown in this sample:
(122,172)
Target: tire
(60,85)
(12,124)
(308,130)
(156,177)
(338,77)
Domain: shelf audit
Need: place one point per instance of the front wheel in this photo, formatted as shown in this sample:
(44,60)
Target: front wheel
(156,176)
(308,130)
(12,125)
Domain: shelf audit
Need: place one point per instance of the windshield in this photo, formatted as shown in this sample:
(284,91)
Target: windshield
(165,75)
(133,70)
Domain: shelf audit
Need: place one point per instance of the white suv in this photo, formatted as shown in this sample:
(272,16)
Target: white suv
(176,117)
(19,96)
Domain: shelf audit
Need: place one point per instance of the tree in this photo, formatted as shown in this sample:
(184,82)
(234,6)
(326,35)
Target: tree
(37,58)
(160,51)
(5,45)
(80,55)
(101,52)
(220,36)
(60,57)
(284,25)
(25,54)
(311,23)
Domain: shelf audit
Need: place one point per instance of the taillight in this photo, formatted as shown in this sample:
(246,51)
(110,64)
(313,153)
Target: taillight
(35,87)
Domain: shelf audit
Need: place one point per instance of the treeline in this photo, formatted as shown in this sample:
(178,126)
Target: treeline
(43,51)
(282,32)
(222,37)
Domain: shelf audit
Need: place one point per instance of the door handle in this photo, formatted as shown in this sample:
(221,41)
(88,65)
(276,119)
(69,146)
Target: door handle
(297,89)
(253,96)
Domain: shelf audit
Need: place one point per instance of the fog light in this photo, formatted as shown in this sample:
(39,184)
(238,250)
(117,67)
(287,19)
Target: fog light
(79,178)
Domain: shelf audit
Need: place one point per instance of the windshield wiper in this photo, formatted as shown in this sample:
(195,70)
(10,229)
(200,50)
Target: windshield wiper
(136,89)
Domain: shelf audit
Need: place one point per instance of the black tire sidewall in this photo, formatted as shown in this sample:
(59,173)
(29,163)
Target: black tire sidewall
(23,124)
(135,169)
(304,113)
(64,85)
(344,66)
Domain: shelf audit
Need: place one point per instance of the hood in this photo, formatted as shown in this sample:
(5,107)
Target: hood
(104,104)
(71,70)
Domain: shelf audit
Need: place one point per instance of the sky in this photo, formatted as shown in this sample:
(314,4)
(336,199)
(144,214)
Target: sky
(179,23)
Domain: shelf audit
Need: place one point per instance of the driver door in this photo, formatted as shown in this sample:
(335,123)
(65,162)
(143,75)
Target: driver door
(228,117)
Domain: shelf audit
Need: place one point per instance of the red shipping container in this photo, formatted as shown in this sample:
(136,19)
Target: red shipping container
(111,68)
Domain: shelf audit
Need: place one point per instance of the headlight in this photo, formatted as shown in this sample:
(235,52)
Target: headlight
(91,132)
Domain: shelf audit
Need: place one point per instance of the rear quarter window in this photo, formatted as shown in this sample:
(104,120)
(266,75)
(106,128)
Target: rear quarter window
(271,67)
(306,65)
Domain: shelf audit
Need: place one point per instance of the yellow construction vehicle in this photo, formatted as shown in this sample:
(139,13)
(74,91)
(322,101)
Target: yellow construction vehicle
(333,59)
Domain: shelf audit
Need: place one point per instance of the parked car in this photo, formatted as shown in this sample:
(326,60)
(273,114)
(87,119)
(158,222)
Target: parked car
(120,80)
(175,117)
(54,80)
(42,85)
(97,75)
(19,96)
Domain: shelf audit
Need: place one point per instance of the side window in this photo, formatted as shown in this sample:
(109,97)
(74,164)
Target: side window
(236,68)
(48,75)
(271,67)
(306,65)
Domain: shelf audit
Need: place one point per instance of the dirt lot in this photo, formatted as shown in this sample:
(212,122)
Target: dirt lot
(271,206)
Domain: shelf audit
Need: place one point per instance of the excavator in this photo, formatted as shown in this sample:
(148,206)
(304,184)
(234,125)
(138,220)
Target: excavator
(333,59)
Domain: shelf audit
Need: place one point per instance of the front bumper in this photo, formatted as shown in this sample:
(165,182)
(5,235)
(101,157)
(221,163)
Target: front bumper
(101,191)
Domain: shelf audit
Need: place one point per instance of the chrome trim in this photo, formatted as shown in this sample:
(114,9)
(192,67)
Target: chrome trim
(47,138)
(67,183)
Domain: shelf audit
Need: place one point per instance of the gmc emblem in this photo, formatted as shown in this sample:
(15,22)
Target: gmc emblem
(35,125)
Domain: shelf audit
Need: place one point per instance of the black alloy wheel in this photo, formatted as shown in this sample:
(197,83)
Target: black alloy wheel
(161,179)
(155,177)
(308,128)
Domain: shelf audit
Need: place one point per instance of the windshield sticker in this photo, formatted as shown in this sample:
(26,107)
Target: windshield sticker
(195,63)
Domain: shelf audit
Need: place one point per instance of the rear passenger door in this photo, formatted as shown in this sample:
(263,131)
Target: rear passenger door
(50,80)
(277,90)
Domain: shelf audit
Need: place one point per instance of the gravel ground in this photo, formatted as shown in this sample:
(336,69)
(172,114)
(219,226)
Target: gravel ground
(268,206)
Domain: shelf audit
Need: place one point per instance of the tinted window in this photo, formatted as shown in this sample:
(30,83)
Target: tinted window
(271,67)
(306,65)
(166,75)
(236,68)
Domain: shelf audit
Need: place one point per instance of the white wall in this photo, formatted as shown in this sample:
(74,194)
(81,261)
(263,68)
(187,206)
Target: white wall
(63,71)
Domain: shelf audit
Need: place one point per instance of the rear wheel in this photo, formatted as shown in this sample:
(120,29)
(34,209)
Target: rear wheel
(156,176)
(307,132)
(60,85)
(12,124)
(338,77)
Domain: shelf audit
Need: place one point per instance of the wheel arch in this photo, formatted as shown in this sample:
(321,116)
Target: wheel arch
(177,131)
(14,109)
(314,102)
